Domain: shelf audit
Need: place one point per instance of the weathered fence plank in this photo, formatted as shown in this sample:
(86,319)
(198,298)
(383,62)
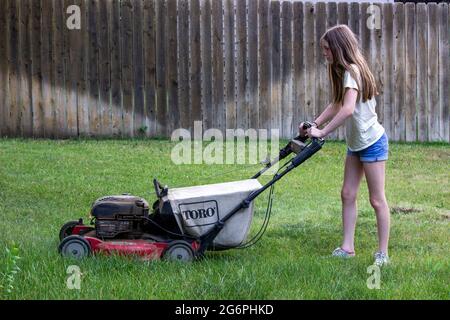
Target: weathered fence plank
(183,64)
(13,121)
(320,61)
(115,56)
(4,66)
(388,72)
(264,56)
(377,59)
(207,60)
(161,66)
(72,48)
(25,108)
(140,128)
(299,110)
(252,92)
(332,20)
(410,72)
(399,73)
(229,47)
(444,68)
(343,18)
(195,60)
(433,77)
(422,67)
(93,70)
(275,83)
(218,63)
(310,70)
(241,65)
(287,113)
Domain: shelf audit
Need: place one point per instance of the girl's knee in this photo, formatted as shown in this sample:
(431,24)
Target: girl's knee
(378,202)
(348,195)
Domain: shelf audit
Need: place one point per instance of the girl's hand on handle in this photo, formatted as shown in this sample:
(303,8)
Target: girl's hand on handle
(313,132)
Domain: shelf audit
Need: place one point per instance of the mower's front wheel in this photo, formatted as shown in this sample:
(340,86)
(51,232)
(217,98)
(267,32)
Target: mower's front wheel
(179,251)
(75,247)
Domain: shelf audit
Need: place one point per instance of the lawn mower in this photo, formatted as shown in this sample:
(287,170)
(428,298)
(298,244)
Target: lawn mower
(183,222)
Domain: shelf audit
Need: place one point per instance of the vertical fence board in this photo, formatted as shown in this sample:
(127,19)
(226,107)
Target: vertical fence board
(275,84)
(444,68)
(127,66)
(422,67)
(286,80)
(4,65)
(332,14)
(206,51)
(252,94)
(183,63)
(58,24)
(72,47)
(82,80)
(332,20)
(299,110)
(229,39)
(46,67)
(264,57)
(241,65)
(377,62)
(388,45)
(195,56)
(104,66)
(115,56)
(310,72)
(93,69)
(172,66)
(399,72)
(138,72)
(343,18)
(433,78)
(355,18)
(320,61)
(13,120)
(410,72)
(26,118)
(364,31)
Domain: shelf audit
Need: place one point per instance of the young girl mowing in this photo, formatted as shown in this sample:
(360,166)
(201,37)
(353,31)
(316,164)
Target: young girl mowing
(353,91)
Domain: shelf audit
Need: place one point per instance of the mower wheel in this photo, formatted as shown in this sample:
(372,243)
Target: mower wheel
(179,250)
(75,247)
(66,229)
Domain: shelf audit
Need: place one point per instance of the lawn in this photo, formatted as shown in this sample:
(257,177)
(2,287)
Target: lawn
(44,183)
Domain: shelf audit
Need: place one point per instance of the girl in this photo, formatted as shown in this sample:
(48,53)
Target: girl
(353,90)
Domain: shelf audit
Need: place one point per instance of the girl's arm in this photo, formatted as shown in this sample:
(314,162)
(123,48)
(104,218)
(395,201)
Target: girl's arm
(330,111)
(346,111)
(327,114)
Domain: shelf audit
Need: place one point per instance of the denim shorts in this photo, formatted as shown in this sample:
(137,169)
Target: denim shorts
(376,152)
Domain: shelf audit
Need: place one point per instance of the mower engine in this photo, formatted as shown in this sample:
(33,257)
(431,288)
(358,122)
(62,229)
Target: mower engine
(119,215)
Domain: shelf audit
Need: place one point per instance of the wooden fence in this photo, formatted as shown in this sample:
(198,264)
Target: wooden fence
(147,67)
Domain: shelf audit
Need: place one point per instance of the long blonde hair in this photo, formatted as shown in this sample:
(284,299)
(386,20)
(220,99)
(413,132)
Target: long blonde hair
(345,49)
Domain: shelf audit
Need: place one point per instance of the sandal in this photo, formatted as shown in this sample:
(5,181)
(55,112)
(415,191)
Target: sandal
(341,253)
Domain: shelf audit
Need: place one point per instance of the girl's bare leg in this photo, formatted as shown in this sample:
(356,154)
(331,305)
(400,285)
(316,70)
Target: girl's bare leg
(352,177)
(375,175)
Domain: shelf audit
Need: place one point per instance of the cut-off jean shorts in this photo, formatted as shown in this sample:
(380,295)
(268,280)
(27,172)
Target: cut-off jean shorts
(376,152)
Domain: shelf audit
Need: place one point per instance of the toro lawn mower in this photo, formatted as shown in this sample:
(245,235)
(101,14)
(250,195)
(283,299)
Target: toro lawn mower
(183,222)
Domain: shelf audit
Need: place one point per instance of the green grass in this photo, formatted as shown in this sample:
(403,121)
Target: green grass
(45,183)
